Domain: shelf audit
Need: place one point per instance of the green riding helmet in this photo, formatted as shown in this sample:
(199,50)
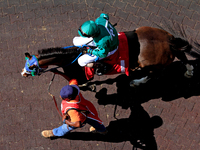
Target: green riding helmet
(88,29)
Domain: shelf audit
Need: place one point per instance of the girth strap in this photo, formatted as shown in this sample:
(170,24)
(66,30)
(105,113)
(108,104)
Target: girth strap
(134,48)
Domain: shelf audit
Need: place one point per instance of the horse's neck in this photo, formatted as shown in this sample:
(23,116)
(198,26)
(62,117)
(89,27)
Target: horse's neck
(57,56)
(47,62)
(58,60)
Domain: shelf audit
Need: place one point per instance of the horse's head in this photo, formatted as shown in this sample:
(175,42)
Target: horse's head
(35,64)
(31,62)
(25,73)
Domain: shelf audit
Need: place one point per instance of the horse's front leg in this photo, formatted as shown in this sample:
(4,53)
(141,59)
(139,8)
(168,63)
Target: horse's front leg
(87,86)
(137,82)
(148,72)
(189,72)
(55,71)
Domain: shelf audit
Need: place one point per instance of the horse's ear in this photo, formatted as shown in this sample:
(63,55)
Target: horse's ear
(27,54)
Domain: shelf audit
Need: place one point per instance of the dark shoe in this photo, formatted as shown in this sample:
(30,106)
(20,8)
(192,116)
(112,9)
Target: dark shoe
(93,130)
(99,71)
(102,69)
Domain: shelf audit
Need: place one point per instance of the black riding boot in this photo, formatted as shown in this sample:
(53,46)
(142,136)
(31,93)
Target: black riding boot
(102,68)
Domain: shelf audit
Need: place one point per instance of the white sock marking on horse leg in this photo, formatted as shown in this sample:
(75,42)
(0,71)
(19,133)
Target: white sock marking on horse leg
(137,82)
(189,72)
(189,67)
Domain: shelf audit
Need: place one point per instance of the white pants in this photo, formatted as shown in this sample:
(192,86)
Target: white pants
(79,41)
(85,59)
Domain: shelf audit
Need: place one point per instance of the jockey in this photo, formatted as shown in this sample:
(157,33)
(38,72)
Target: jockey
(102,35)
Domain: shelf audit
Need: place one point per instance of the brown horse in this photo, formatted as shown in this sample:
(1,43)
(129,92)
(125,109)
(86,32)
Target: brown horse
(150,49)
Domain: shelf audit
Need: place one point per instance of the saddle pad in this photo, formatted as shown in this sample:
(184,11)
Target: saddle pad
(119,60)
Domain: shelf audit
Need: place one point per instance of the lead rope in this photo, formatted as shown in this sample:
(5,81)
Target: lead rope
(54,99)
(53,95)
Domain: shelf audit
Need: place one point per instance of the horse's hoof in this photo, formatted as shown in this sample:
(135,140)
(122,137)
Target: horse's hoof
(188,75)
(93,87)
(83,85)
(132,84)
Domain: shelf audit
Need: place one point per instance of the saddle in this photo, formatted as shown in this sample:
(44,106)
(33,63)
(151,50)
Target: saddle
(119,61)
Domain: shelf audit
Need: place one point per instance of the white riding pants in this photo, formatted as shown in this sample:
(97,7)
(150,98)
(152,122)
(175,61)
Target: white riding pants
(86,58)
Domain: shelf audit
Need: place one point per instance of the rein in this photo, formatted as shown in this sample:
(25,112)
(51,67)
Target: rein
(54,99)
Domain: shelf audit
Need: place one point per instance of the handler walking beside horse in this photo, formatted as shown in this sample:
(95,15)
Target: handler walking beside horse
(77,111)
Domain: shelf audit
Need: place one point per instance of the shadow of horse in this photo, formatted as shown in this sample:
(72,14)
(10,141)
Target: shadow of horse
(168,85)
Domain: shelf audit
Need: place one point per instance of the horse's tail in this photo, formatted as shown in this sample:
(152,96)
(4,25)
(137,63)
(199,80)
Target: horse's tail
(180,44)
(181,41)
(195,49)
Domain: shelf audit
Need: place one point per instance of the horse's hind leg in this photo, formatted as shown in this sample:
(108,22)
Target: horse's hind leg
(137,82)
(181,56)
(179,47)
(189,72)
(150,73)
(87,86)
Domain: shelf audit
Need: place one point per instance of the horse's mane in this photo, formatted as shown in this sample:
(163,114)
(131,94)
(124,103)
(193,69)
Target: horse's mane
(58,51)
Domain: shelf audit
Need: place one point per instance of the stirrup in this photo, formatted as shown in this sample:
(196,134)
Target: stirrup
(102,69)
(99,71)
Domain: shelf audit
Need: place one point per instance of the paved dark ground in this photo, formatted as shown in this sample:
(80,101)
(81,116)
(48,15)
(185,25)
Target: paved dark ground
(164,113)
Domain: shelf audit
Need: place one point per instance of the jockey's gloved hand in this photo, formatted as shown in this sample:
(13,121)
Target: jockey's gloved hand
(89,50)
(84,51)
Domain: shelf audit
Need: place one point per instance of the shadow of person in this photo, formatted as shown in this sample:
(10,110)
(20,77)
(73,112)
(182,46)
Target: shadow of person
(137,129)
